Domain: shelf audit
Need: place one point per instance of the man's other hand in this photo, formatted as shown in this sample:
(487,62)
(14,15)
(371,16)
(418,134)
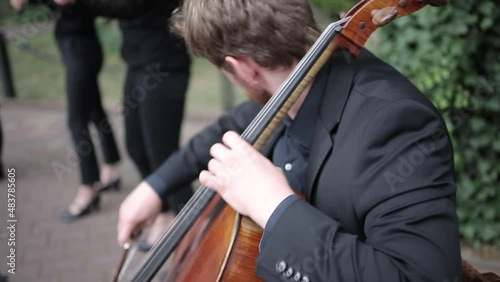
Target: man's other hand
(138,210)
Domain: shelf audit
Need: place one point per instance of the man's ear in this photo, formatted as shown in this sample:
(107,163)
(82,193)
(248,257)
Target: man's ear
(244,68)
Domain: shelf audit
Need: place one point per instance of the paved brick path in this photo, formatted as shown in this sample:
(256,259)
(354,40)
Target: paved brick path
(35,138)
(85,251)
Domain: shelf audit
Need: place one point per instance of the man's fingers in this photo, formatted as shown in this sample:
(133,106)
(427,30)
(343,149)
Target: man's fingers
(124,233)
(234,141)
(215,167)
(139,209)
(219,151)
(209,180)
(129,231)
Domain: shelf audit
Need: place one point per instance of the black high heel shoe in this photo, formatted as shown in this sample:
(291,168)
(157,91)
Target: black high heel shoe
(67,216)
(113,185)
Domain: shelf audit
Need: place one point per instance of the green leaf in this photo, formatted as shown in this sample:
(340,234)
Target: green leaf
(468,231)
(477,124)
(496,145)
(486,23)
(486,8)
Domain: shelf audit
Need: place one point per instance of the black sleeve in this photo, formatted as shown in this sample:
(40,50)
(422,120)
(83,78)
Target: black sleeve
(183,166)
(410,222)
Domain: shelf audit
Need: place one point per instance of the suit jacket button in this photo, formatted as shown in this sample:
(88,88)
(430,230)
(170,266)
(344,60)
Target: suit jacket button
(297,277)
(305,279)
(281,266)
(288,273)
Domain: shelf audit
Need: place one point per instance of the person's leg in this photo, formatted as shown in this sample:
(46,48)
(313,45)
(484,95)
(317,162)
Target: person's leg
(161,113)
(133,133)
(82,60)
(109,173)
(155,54)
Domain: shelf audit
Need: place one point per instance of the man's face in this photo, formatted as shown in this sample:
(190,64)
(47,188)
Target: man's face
(257,93)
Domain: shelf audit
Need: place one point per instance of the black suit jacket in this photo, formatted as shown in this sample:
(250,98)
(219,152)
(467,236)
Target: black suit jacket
(380,198)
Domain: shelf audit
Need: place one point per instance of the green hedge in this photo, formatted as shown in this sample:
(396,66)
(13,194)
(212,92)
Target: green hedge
(453,55)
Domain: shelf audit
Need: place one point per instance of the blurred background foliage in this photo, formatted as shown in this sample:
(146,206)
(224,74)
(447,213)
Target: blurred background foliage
(452,54)
(332,8)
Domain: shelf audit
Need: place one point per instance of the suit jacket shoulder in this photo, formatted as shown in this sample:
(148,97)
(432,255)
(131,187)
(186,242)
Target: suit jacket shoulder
(381,187)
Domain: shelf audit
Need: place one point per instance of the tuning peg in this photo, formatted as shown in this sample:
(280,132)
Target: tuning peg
(384,16)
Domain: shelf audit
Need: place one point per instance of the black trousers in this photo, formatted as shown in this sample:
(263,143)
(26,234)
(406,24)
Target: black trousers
(153,110)
(155,90)
(82,56)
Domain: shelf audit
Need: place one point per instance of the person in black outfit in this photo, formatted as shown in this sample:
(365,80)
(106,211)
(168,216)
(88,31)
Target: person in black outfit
(154,95)
(82,56)
(155,86)
(81,52)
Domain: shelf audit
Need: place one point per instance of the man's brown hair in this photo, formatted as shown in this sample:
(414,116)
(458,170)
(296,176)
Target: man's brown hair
(272,32)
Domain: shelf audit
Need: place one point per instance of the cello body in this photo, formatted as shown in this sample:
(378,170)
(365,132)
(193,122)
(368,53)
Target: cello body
(221,246)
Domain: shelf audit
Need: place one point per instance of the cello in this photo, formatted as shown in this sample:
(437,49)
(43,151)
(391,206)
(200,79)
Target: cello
(211,241)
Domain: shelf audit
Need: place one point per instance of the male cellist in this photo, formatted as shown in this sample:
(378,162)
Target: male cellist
(370,153)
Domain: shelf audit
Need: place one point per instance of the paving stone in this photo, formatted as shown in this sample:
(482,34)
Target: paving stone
(35,136)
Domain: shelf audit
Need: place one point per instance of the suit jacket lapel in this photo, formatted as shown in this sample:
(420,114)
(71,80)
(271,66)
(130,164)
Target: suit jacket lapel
(335,97)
